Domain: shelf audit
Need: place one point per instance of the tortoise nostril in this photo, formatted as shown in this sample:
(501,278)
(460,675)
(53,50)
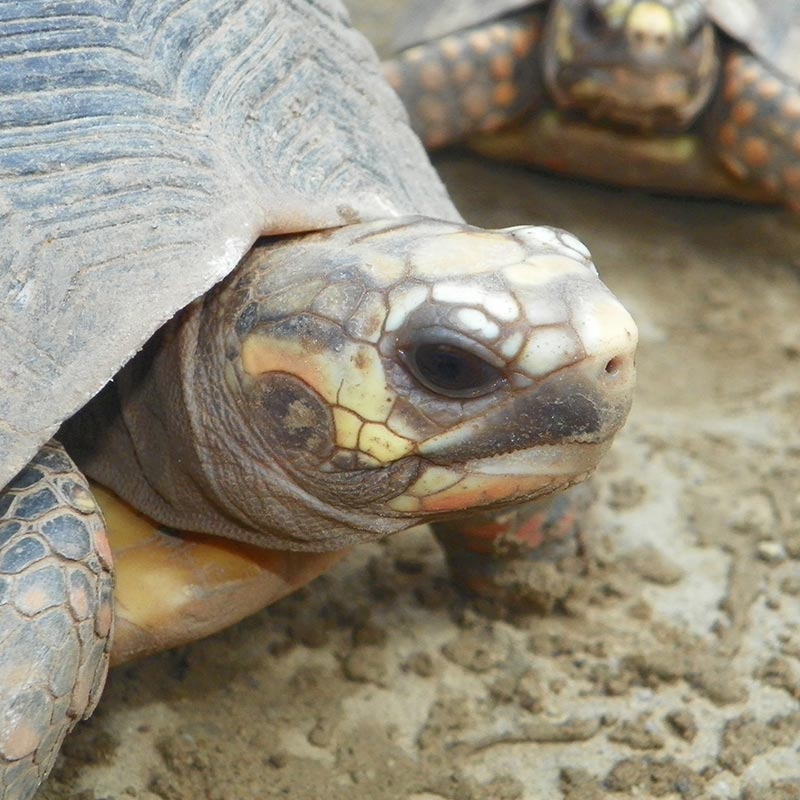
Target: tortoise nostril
(614,365)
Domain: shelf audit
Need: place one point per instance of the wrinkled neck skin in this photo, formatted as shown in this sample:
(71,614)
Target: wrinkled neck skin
(344,385)
(169,438)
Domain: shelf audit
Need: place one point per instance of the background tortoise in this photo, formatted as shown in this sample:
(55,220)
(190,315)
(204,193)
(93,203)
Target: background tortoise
(673,95)
(338,386)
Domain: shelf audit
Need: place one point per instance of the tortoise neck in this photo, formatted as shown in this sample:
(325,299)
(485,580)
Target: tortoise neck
(167,439)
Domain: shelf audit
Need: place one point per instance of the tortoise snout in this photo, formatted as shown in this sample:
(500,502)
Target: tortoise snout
(609,337)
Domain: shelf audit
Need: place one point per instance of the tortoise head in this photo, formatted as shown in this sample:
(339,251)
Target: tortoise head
(646,64)
(382,374)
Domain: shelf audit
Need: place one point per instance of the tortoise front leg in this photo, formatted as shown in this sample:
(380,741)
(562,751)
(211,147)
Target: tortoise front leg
(498,554)
(474,81)
(174,587)
(56,612)
(756,123)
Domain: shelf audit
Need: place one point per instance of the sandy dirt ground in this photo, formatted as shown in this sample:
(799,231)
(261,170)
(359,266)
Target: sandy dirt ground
(667,663)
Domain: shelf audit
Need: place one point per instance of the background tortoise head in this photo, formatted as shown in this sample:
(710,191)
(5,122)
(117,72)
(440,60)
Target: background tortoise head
(648,64)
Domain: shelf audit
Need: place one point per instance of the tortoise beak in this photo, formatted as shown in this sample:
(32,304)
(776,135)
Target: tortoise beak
(585,403)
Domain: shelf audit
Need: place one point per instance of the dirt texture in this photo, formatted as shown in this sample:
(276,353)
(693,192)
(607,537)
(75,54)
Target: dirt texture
(668,664)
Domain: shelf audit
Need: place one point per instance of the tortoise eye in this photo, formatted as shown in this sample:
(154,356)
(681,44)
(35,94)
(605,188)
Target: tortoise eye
(452,371)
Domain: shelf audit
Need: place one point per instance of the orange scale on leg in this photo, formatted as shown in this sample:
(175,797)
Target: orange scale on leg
(476,102)
(744,112)
(791,107)
(769,88)
(523,41)
(504,94)
(451,48)
(499,33)
(480,42)
(502,67)
(756,152)
(751,72)
(463,71)
(733,89)
(432,76)
(432,110)
(728,135)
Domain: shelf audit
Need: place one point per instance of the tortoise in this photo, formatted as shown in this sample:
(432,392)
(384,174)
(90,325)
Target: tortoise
(236,290)
(680,96)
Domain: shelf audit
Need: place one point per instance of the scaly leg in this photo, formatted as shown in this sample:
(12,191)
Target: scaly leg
(756,125)
(56,614)
(495,554)
(472,81)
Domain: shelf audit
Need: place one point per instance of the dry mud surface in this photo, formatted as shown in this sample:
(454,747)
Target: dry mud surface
(669,662)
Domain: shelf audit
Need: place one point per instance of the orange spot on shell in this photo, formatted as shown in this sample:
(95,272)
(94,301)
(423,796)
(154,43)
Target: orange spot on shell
(756,152)
(744,112)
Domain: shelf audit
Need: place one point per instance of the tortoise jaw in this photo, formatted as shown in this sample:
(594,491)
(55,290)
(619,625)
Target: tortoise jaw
(502,480)
(580,405)
(551,461)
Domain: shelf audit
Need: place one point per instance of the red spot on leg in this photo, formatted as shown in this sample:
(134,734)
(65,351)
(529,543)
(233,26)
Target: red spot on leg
(744,112)
(728,135)
(756,152)
(791,107)
(770,88)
